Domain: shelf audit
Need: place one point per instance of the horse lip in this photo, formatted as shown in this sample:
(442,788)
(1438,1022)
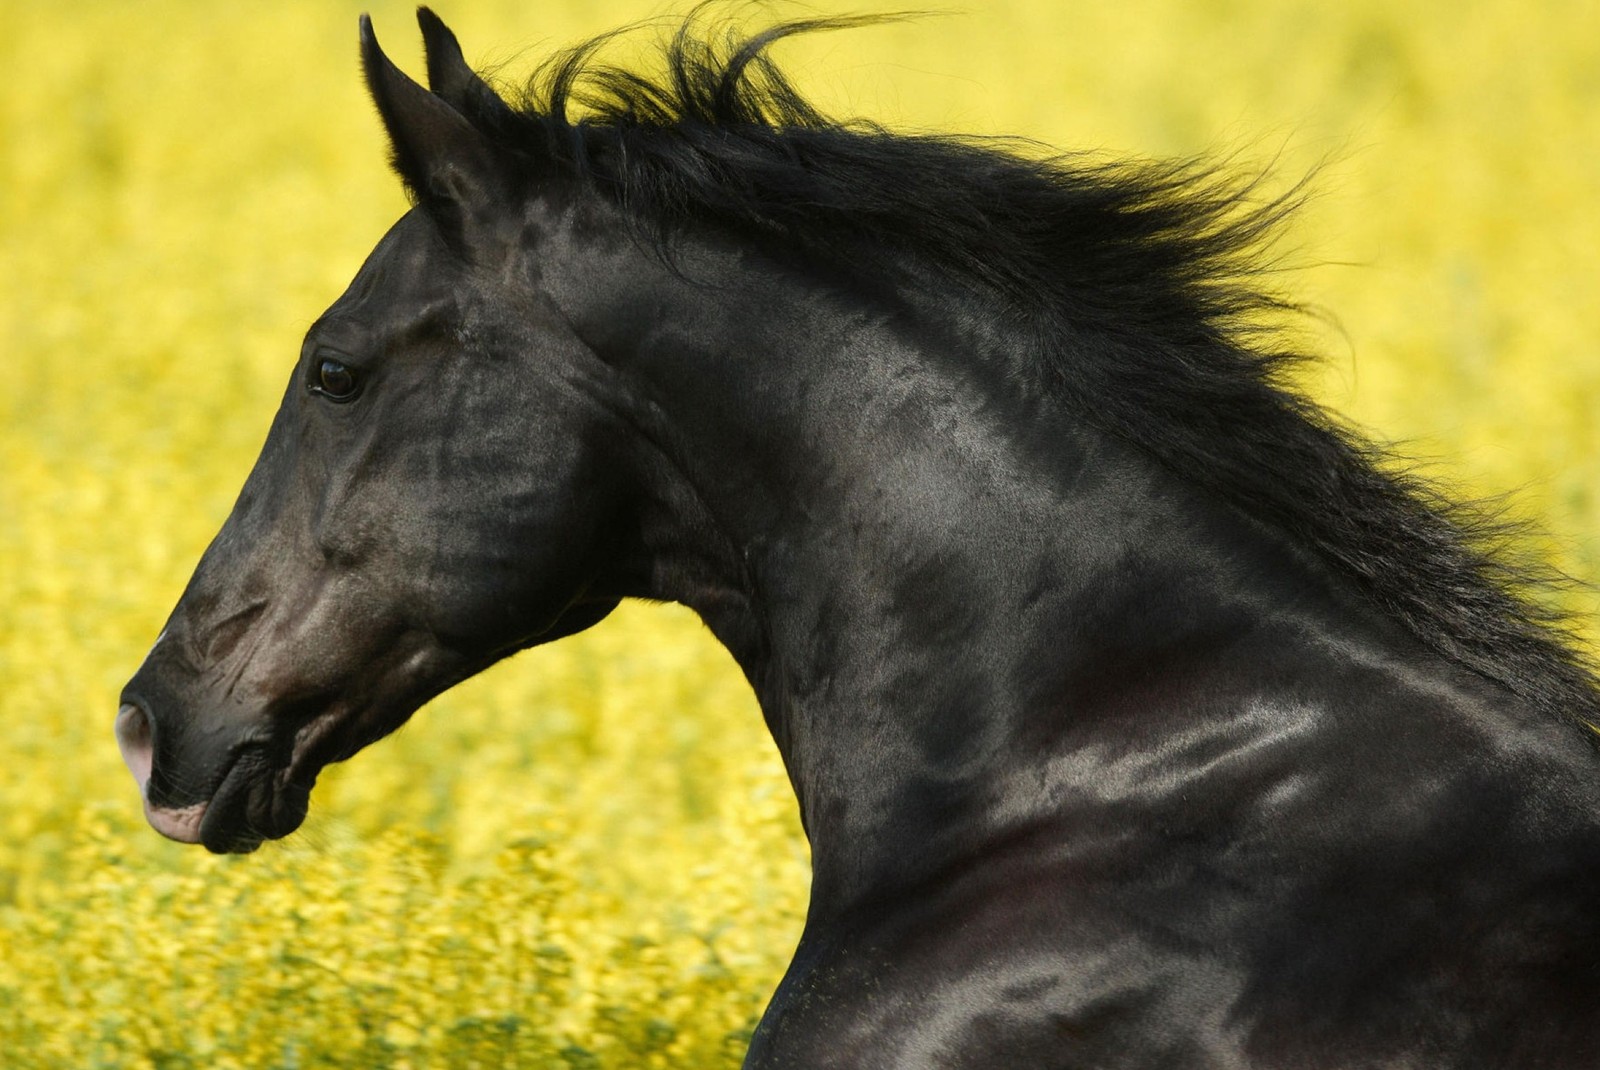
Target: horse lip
(254,800)
(219,826)
(204,822)
(181,825)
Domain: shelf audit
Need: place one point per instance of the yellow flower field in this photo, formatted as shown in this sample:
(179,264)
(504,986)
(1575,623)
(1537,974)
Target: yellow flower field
(589,856)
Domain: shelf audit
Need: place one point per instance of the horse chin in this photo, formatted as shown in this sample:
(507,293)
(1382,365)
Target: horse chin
(253,803)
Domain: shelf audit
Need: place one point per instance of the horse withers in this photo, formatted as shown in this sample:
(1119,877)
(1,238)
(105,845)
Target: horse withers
(1138,715)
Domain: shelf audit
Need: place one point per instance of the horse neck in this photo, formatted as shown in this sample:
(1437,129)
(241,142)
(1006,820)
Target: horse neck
(930,579)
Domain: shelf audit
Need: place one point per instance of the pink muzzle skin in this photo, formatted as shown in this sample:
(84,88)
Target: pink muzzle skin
(133,739)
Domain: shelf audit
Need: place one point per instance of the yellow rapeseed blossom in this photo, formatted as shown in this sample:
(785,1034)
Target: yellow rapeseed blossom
(589,857)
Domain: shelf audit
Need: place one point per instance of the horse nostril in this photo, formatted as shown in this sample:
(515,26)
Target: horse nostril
(133,739)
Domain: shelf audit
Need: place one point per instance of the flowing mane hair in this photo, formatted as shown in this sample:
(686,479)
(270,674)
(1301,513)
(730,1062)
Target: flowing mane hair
(1137,285)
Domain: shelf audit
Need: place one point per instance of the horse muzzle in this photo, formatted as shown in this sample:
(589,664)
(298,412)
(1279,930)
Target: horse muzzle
(249,800)
(135,740)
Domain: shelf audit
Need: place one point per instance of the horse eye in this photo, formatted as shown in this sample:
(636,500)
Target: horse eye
(335,381)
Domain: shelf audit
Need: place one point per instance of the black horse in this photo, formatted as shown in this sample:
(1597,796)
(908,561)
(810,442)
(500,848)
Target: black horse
(1138,715)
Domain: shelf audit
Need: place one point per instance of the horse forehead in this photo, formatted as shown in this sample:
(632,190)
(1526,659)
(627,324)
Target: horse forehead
(411,263)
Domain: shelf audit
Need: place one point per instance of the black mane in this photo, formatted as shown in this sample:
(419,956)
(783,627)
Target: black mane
(1140,283)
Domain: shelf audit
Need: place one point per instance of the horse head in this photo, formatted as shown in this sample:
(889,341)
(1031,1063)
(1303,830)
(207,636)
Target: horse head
(390,540)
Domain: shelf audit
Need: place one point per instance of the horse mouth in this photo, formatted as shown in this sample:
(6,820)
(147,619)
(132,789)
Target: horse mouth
(253,800)
(253,803)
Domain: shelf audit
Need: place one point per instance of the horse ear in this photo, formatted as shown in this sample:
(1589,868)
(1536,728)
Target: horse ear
(450,168)
(449,77)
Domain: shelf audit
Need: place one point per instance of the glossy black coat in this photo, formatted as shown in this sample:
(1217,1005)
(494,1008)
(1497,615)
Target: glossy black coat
(1105,757)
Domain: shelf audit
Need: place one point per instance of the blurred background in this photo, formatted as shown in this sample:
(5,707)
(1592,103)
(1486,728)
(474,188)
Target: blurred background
(589,856)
